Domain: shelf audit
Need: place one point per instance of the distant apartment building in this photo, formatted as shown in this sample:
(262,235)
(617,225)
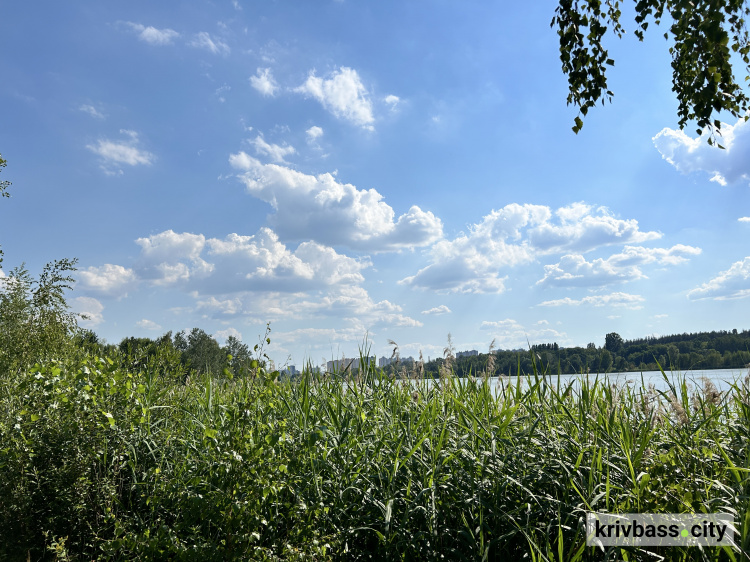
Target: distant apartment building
(471,353)
(343,364)
(385,361)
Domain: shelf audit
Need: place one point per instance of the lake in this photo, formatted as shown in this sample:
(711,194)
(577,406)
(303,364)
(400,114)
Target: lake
(722,378)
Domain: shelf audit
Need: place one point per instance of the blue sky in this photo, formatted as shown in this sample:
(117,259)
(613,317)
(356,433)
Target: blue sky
(346,169)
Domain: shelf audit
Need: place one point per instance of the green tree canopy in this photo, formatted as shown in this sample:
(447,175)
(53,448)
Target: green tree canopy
(705,36)
(35,322)
(613,342)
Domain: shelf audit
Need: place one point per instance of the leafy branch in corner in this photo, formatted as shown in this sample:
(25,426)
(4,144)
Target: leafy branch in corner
(706,35)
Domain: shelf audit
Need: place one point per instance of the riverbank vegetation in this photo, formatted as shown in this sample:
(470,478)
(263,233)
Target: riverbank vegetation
(680,352)
(131,452)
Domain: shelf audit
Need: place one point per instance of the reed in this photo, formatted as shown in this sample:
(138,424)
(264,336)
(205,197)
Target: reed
(101,463)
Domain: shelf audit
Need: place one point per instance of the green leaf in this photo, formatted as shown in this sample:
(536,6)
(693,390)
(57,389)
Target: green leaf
(110,418)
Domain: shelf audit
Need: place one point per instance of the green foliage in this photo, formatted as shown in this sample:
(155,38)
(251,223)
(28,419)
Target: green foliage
(4,185)
(705,350)
(35,322)
(706,35)
(101,462)
(613,342)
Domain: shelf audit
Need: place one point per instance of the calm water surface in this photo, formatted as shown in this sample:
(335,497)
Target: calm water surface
(722,378)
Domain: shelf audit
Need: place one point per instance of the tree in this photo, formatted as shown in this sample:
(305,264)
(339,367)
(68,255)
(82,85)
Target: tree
(203,352)
(4,185)
(240,353)
(35,322)
(705,35)
(613,342)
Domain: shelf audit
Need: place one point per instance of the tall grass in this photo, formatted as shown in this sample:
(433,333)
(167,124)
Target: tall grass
(97,462)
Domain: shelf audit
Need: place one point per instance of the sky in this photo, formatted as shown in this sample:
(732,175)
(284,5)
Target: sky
(357,172)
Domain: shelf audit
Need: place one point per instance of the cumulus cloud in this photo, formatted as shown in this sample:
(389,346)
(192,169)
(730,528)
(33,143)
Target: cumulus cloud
(573,270)
(510,334)
(518,234)
(243,276)
(734,283)
(273,151)
(223,335)
(333,213)
(262,262)
(108,280)
(90,308)
(744,219)
(169,257)
(264,82)
(216,46)
(332,301)
(620,300)
(342,94)
(689,155)
(152,35)
(114,153)
(313,134)
(392,101)
(442,309)
(148,325)
(91,110)
(233,264)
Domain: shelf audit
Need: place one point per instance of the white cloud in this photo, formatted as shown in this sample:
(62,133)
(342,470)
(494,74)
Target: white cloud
(332,213)
(510,334)
(220,92)
(619,300)
(169,245)
(203,40)
(239,263)
(517,234)
(273,151)
(89,307)
(153,35)
(148,325)
(343,94)
(313,134)
(245,276)
(581,230)
(574,271)
(91,110)
(127,152)
(223,335)
(263,82)
(744,219)
(109,280)
(734,283)
(262,262)
(169,257)
(392,101)
(442,309)
(690,155)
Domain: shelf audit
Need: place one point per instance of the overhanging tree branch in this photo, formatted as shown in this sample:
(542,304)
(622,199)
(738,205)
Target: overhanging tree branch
(706,35)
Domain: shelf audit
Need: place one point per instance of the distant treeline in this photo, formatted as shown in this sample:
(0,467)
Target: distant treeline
(702,350)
